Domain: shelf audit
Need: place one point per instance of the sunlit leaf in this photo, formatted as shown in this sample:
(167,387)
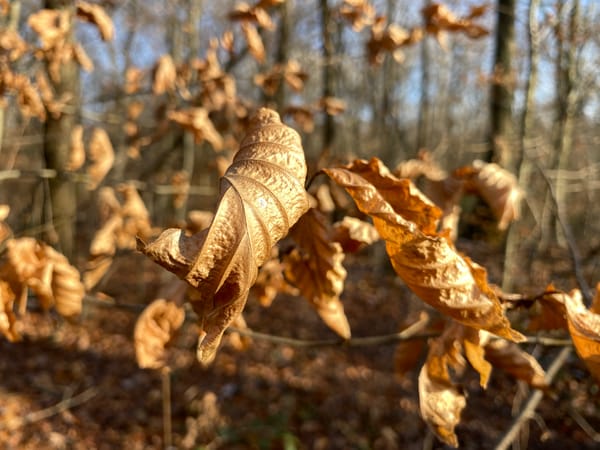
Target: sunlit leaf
(101,156)
(510,358)
(76,150)
(353,234)
(262,196)
(97,15)
(427,262)
(164,75)
(197,121)
(584,326)
(315,268)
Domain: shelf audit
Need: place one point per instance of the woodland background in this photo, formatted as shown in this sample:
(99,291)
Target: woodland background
(158,94)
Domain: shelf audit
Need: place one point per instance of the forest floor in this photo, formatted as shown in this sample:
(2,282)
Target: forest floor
(77,385)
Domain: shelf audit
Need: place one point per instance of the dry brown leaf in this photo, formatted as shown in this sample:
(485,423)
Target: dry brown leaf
(549,313)
(439,19)
(133,79)
(270,281)
(197,121)
(11,42)
(332,105)
(427,262)
(254,41)
(354,234)
(262,196)
(51,25)
(76,150)
(509,357)
(360,13)
(82,58)
(35,265)
(8,319)
(154,330)
(584,327)
(303,116)
(251,14)
(497,186)
(315,268)
(97,15)
(101,157)
(5,231)
(136,218)
(198,220)
(164,75)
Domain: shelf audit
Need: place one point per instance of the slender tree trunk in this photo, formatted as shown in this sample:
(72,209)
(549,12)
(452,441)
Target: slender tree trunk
(525,164)
(282,53)
(424,105)
(501,149)
(57,132)
(328,74)
(10,23)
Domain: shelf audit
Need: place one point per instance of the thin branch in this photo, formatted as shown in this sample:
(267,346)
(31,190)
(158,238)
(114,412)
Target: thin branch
(571,243)
(58,408)
(533,401)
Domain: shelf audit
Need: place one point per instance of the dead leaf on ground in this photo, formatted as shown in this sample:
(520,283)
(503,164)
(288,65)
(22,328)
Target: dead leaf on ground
(262,196)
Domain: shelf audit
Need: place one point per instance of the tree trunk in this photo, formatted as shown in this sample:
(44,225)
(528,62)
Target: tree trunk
(501,148)
(328,75)
(57,130)
(424,104)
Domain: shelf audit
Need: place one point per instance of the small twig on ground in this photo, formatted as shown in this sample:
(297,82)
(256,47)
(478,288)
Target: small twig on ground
(59,407)
(584,424)
(534,399)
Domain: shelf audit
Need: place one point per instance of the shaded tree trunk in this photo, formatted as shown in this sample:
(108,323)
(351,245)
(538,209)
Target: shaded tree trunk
(57,131)
(328,75)
(501,149)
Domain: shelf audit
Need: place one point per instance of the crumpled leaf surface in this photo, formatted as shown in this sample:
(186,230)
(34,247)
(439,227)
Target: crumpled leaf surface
(509,357)
(154,330)
(497,186)
(584,327)
(315,268)
(426,261)
(262,196)
(31,264)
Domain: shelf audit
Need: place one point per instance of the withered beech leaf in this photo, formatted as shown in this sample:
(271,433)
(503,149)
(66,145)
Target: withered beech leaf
(262,196)
(426,261)
(315,268)
(97,15)
(154,330)
(164,75)
(509,357)
(197,121)
(353,234)
(76,150)
(101,156)
(254,41)
(550,312)
(497,186)
(270,281)
(584,327)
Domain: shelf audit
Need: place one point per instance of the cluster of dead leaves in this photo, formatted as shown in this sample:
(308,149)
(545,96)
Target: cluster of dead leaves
(390,38)
(28,264)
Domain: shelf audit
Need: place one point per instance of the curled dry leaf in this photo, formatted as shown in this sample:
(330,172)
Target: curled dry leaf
(101,156)
(164,75)
(509,357)
(353,234)
(497,186)
(197,121)
(254,41)
(76,150)
(426,261)
(315,268)
(154,330)
(584,327)
(97,15)
(262,196)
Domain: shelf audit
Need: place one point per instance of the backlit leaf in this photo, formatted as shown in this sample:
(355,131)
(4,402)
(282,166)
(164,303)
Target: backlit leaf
(584,326)
(427,262)
(97,15)
(262,196)
(315,268)
(101,156)
(509,357)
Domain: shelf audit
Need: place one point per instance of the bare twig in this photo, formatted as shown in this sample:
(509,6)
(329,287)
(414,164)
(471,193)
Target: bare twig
(584,424)
(59,407)
(534,399)
(571,243)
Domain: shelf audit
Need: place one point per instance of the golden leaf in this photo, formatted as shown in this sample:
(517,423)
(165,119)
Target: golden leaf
(102,157)
(164,75)
(198,220)
(498,187)
(97,15)
(262,196)
(509,357)
(51,25)
(76,150)
(5,231)
(427,262)
(360,13)
(8,319)
(11,42)
(315,268)
(133,79)
(197,121)
(254,41)
(550,312)
(353,234)
(584,327)
(154,330)
(270,281)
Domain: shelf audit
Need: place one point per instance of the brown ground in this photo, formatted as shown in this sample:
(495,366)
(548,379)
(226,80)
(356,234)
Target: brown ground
(270,396)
